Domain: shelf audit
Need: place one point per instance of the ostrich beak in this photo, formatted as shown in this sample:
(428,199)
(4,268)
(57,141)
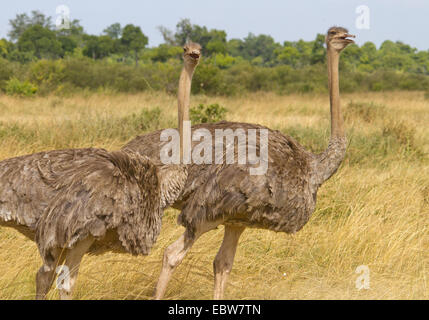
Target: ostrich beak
(347,35)
(195,55)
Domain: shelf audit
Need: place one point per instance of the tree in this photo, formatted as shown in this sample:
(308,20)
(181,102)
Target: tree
(19,25)
(68,44)
(184,32)
(389,47)
(396,56)
(6,47)
(164,52)
(168,36)
(215,47)
(405,48)
(98,47)
(318,51)
(288,55)
(369,52)
(40,41)
(133,40)
(304,48)
(421,59)
(212,41)
(75,30)
(234,47)
(22,22)
(216,43)
(114,31)
(262,46)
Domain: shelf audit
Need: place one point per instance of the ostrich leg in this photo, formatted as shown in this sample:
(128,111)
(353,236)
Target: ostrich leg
(222,264)
(46,274)
(173,256)
(175,253)
(73,258)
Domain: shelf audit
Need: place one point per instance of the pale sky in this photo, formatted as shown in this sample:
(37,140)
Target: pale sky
(404,20)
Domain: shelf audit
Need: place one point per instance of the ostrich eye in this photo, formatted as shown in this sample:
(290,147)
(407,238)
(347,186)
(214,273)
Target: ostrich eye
(184,49)
(332,32)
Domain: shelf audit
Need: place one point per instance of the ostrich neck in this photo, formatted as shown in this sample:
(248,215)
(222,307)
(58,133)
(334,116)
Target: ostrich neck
(337,122)
(184,94)
(329,161)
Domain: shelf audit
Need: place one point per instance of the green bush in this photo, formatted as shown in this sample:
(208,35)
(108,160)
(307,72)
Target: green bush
(146,120)
(207,114)
(75,73)
(404,133)
(20,88)
(6,72)
(47,74)
(366,111)
(209,79)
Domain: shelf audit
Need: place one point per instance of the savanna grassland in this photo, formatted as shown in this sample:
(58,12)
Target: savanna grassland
(373,212)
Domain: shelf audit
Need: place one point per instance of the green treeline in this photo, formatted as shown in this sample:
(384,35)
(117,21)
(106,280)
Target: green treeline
(39,59)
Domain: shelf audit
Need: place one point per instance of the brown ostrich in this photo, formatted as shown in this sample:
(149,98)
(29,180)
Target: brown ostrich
(282,200)
(73,198)
(111,199)
(115,201)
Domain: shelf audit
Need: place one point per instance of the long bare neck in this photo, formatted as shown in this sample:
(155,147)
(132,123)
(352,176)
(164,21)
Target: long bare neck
(329,161)
(337,122)
(184,96)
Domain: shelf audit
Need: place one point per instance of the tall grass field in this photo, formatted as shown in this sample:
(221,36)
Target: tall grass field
(374,212)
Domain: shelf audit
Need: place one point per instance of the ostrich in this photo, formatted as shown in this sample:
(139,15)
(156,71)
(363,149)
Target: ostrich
(117,198)
(282,200)
(70,199)
(111,199)
(33,184)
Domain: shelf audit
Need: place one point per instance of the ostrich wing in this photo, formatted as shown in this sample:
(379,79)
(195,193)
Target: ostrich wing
(27,183)
(116,190)
(279,200)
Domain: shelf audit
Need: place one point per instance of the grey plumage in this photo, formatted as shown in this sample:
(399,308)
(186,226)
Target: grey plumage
(79,189)
(122,191)
(29,182)
(281,200)
(32,184)
(74,198)
(107,191)
(113,200)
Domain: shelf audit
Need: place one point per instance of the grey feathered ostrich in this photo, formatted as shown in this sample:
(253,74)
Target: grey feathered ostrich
(115,196)
(282,200)
(112,199)
(73,198)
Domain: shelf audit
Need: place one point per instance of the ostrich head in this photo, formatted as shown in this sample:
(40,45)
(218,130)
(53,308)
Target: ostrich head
(192,53)
(337,38)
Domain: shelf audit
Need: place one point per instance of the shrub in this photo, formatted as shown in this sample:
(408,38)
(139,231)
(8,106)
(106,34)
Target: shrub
(366,111)
(316,140)
(146,120)
(207,114)
(208,79)
(47,74)
(6,72)
(218,75)
(20,88)
(404,133)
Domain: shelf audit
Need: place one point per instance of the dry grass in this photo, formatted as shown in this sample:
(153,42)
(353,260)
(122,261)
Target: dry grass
(374,212)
